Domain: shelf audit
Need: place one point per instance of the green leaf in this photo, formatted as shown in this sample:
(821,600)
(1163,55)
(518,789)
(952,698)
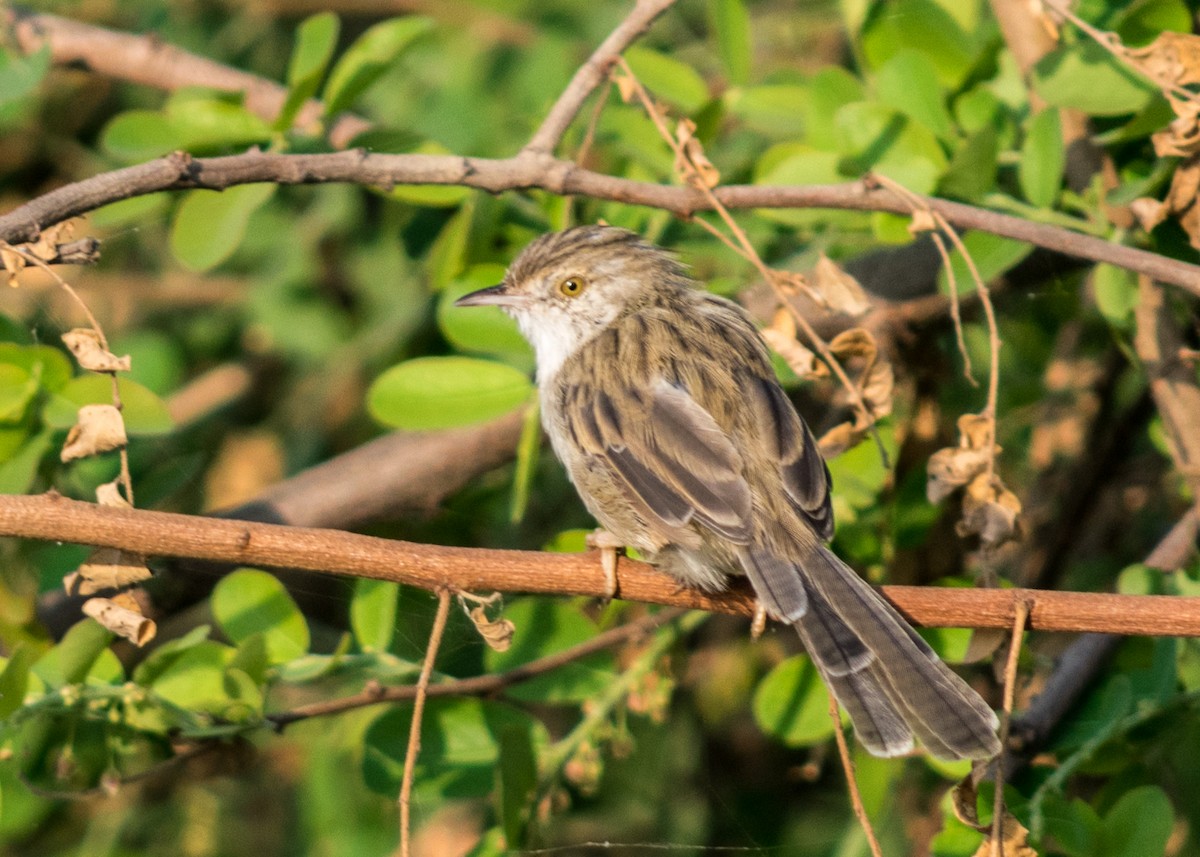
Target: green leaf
(1042,159)
(1073,824)
(443,392)
(877,138)
(484,330)
(21,75)
(1138,825)
(1116,293)
(167,653)
(144,413)
(210,225)
(248,601)
(17,390)
(140,135)
(792,705)
(373,613)
(992,254)
(772,109)
(14,681)
(210,120)
(543,627)
(196,678)
(368,58)
(909,83)
(668,78)
(72,659)
(459,746)
(517,775)
(1086,77)
(829,90)
(49,365)
(316,38)
(922,25)
(972,170)
(19,470)
(136,209)
(730,22)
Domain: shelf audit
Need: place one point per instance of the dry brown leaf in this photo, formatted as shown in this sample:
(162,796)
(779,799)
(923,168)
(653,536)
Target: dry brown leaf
(99,429)
(1181,138)
(840,438)
(497,633)
(106,568)
(922,221)
(122,619)
(841,291)
(84,343)
(45,246)
(1149,212)
(964,800)
(1172,58)
(780,334)
(693,166)
(13,263)
(877,389)
(976,431)
(990,511)
(983,644)
(1014,841)
(1181,198)
(626,85)
(951,468)
(855,342)
(109,494)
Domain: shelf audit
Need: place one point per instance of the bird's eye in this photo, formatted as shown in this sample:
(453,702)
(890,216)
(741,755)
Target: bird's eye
(572,287)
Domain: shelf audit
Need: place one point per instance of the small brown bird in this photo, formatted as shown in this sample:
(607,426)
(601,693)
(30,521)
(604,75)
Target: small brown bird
(660,401)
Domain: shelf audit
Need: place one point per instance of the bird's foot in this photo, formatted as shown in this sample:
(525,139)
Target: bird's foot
(609,546)
(759,623)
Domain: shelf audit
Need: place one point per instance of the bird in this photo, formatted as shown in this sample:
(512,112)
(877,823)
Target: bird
(660,400)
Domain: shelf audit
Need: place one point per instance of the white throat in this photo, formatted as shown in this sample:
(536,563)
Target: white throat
(553,342)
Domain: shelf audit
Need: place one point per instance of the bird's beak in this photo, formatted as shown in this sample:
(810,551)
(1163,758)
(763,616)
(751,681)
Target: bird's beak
(492,296)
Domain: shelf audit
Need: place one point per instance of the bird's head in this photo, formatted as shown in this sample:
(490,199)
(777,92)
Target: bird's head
(567,287)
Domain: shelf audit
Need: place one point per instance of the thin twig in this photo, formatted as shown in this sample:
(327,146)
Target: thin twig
(483,685)
(592,73)
(860,812)
(414,729)
(1024,608)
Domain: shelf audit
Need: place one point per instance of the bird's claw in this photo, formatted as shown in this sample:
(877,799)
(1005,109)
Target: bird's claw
(609,546)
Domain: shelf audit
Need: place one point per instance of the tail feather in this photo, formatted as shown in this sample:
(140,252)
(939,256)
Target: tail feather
(883,673)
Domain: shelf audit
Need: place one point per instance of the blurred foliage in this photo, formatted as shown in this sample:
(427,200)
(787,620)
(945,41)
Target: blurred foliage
(337,300)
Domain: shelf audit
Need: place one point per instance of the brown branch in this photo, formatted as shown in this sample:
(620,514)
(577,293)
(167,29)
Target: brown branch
(52,517)
(481,685)
(592,73)
(180,171)
(152,62)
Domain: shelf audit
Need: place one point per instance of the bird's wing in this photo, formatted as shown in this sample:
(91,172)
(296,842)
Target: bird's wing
(668,454)
(806,478)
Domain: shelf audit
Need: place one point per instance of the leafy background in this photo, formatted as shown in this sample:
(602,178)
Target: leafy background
(334,302)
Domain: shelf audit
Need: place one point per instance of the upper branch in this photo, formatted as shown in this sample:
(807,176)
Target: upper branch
(531,170)
(50,516)
(592,73)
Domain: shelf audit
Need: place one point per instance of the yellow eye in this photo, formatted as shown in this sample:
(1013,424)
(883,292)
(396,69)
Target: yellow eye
(572,287)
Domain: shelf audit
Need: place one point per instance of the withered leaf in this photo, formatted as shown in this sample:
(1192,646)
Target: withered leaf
(99,429)
(497,633)
(842,292)
(990,511)
(693,165)
(951,468)
(109,494)
(121,618)
(1014,840)
(106,568)
(780,334)
(1170,58)
(85,344)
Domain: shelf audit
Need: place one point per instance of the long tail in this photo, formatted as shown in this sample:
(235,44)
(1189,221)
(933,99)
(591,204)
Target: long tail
(888,679)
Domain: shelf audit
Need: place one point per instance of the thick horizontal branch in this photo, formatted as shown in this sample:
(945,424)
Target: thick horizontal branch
(533,170)
(55,518)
